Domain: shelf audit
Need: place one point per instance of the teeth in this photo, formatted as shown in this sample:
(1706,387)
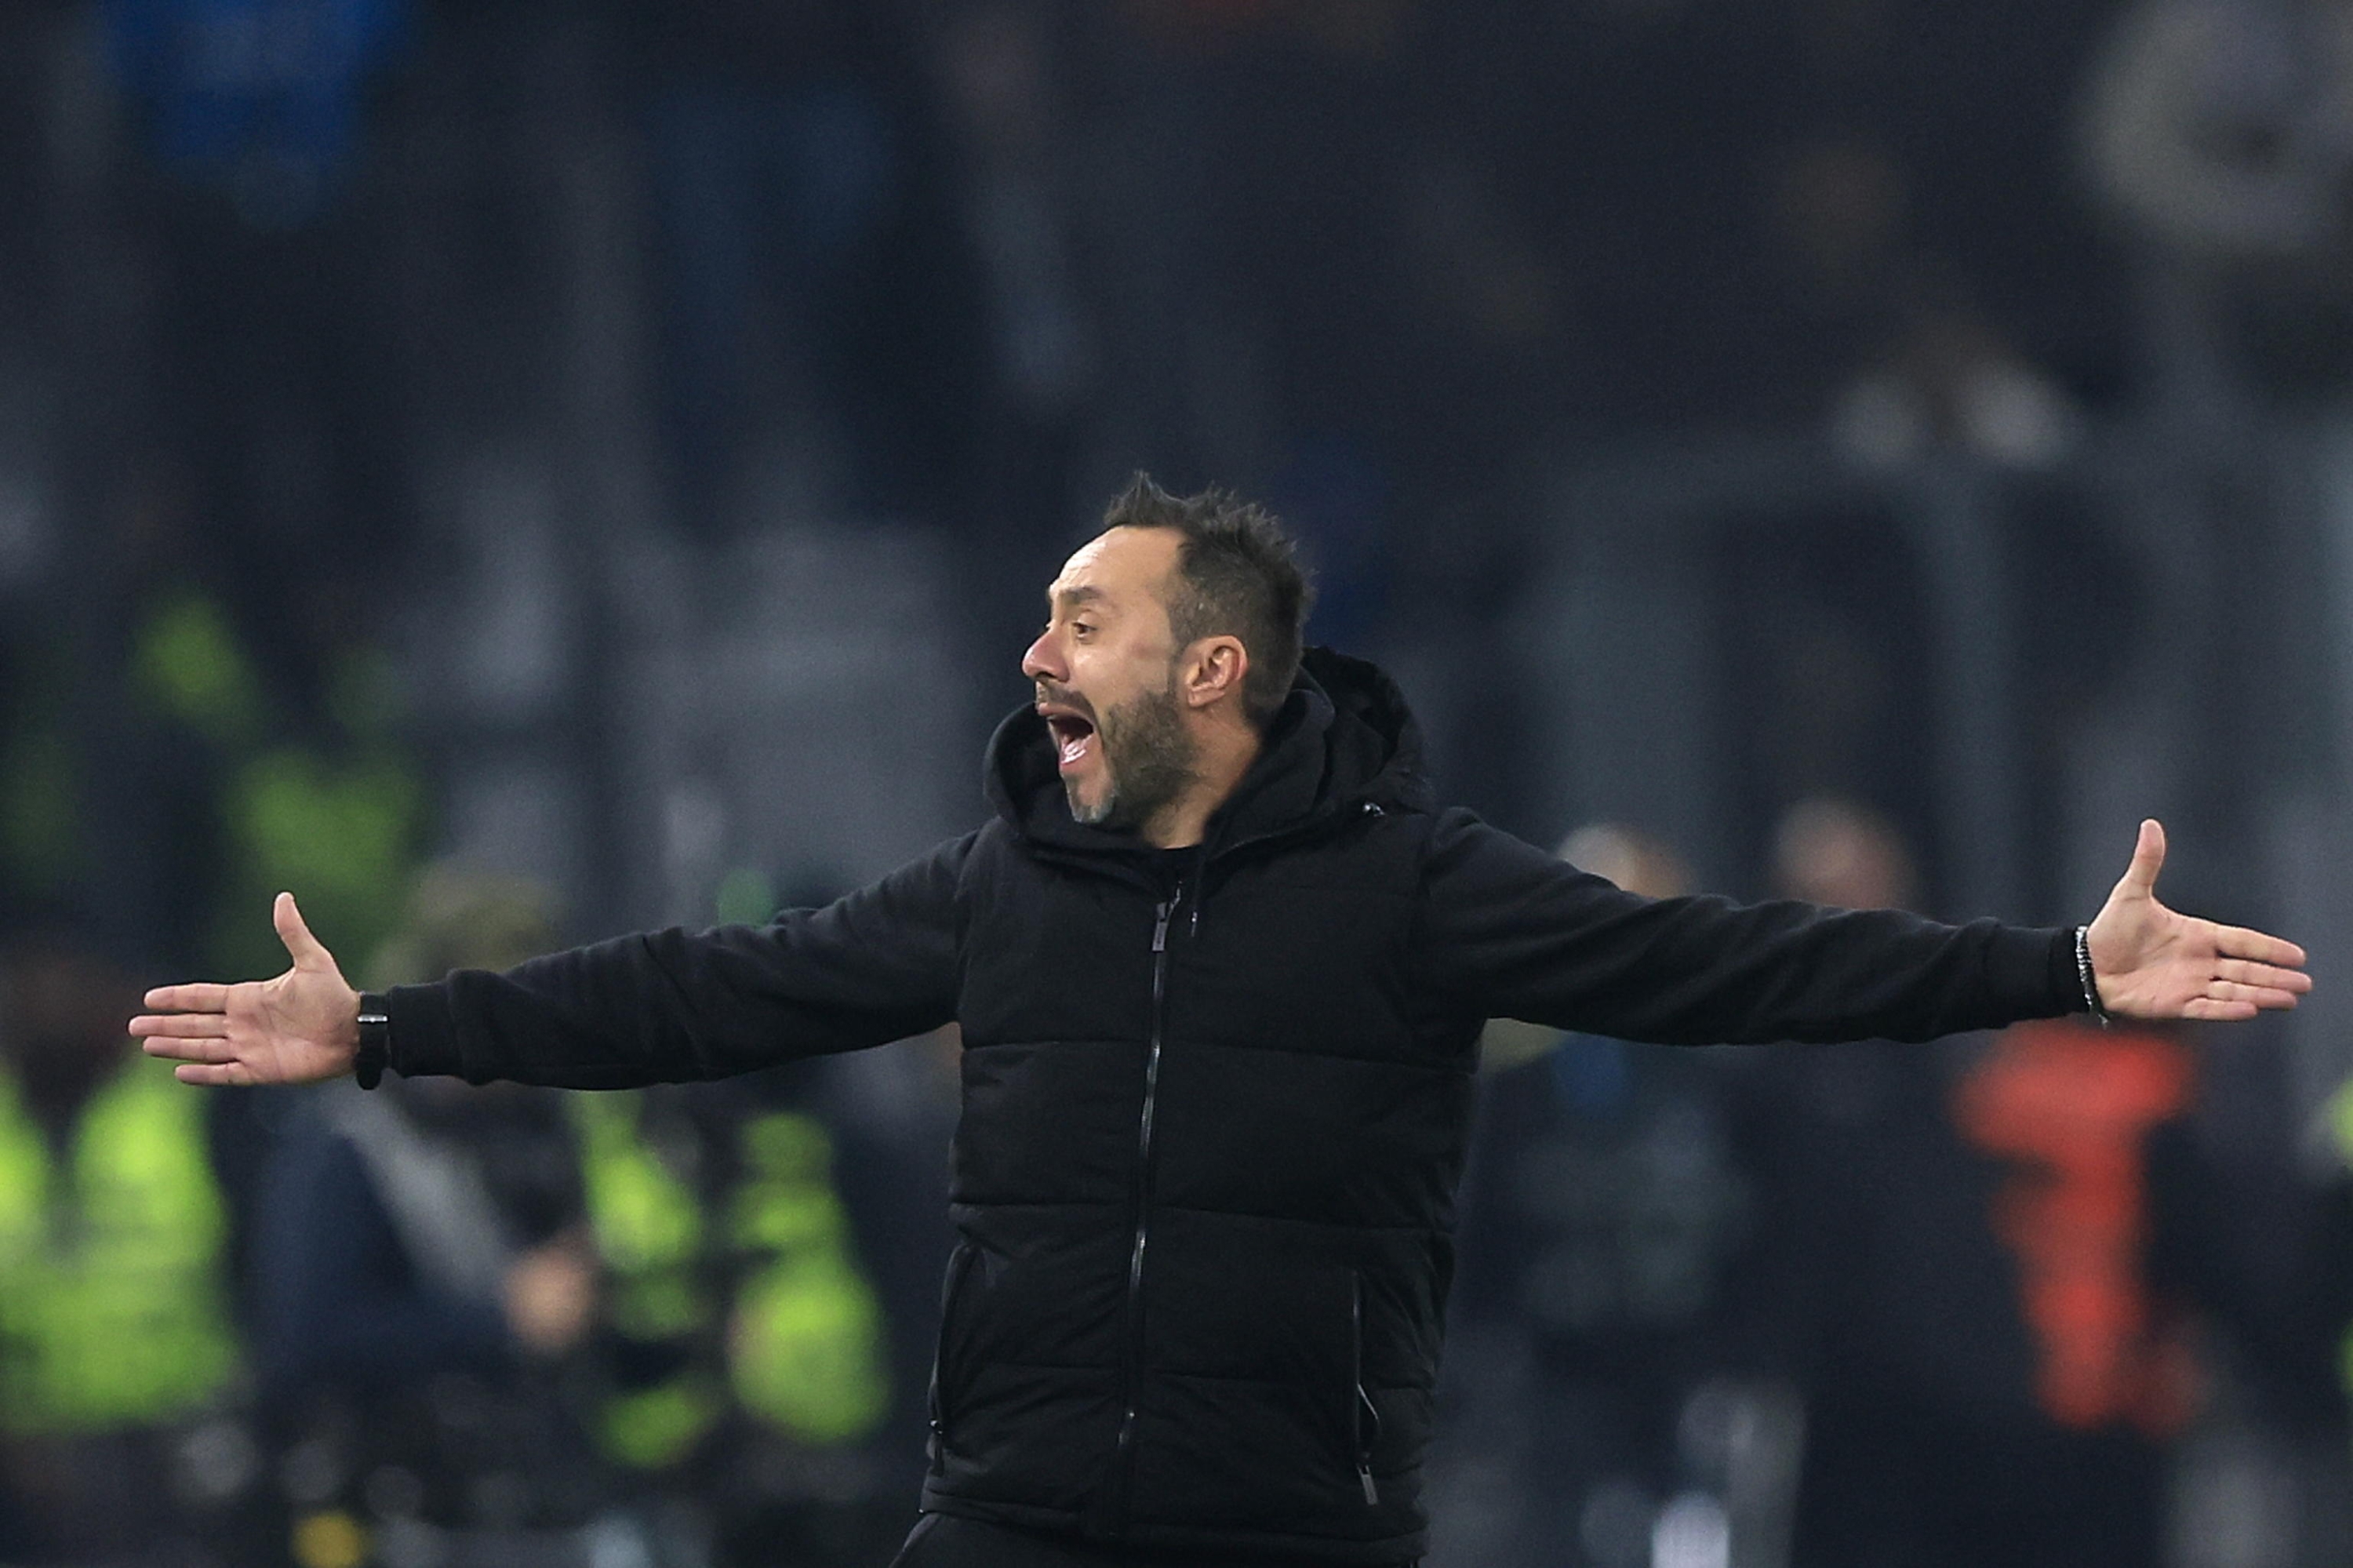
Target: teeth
(1072,747)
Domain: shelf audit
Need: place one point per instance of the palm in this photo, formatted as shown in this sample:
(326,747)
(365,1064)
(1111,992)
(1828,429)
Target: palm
(296,1029)
(284,1026)
(2152,962)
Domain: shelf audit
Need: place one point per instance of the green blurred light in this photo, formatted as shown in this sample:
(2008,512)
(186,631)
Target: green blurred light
(746,897)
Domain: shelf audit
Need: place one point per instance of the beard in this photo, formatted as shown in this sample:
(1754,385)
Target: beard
(1149,761)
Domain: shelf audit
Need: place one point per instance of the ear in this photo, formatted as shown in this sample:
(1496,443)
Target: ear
(1212,671)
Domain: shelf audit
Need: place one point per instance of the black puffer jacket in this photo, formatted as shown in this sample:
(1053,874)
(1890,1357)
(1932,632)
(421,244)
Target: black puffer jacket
(1215,1105)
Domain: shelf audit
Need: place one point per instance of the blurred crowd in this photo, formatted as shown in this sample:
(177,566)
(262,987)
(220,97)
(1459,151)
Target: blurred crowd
(443,1325)
(302,302)
(1975,1302)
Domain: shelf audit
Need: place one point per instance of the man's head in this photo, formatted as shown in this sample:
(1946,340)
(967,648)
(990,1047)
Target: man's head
(1172,638)
(63,1003)
(1828,850)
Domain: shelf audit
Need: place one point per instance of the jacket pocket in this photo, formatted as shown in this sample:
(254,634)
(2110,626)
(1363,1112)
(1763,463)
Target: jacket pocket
(942,1373)
(1364,1417)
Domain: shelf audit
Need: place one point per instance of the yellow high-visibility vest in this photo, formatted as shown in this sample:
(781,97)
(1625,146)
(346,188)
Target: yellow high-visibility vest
(648,1230)
(807,1354)
(113,1290)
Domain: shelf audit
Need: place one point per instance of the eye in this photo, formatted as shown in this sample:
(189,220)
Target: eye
(1081,629)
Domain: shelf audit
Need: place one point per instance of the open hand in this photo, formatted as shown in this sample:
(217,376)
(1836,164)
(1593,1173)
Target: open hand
(2151,962)
(296,1029)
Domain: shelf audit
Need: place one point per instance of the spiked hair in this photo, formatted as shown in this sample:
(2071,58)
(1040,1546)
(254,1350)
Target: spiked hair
(1237,574)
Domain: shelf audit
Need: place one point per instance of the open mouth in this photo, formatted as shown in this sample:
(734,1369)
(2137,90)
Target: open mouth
(1075,738)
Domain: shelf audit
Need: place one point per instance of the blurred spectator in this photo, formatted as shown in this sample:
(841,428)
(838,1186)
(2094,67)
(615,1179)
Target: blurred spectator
(340,817)
(492,1319)
(44,798)
(1836,852)
(1926,366)
(276,777)
(212,766)
(2226,128)
(1995,1369)
(419,1292)
(2222,133)
(1949,379)
(119,1439)
(742,1383)
(749,1358)
(1830,675)
(425,1289)
(1607,1346)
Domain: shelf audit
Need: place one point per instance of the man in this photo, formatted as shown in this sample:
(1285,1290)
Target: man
(1219,963)
(425,1296)
(1990,1280)
(118,1340)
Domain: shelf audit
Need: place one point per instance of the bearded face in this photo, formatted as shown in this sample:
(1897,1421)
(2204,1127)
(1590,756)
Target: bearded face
(1123,765)
(1106,669)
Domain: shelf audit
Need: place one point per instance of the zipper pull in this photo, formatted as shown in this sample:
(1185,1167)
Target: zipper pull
(1364,1474)
(1160,925)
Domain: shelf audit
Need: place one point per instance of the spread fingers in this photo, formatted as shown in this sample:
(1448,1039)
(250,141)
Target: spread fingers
(2212,1011)
(180,1025)
(200,998)
(2238,942)
(190,1050)
(232,1075)
(2267,976)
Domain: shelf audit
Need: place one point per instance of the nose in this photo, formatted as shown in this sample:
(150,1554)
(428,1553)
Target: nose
(1044,659)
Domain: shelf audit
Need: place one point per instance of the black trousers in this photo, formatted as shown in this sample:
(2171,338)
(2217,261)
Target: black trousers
(942,1541)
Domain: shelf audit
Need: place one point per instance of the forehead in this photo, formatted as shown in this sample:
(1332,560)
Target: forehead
(1120,566)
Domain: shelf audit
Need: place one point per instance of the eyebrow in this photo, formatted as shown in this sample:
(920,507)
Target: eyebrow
(1082,594)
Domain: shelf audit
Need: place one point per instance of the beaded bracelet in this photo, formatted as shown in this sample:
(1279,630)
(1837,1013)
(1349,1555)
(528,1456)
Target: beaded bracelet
(2084,972)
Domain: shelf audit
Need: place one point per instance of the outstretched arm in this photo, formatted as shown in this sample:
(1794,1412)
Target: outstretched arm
(874,966)
(1508,931)
(2152,962)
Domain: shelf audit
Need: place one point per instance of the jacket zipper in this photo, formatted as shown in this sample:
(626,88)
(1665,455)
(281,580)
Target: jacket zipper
(1366,1417)
(959,1265)
(1162,914)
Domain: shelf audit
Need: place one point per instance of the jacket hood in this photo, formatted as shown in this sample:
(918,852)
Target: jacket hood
(1344,735)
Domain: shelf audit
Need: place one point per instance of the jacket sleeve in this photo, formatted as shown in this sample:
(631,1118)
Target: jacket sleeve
(876,964)
(1508,931)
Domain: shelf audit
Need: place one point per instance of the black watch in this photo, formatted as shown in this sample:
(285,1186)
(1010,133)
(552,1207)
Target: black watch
(376,1041)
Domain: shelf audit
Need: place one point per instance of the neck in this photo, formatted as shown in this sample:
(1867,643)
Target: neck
(1225,755)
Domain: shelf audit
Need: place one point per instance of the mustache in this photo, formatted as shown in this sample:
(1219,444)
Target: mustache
(1062,696)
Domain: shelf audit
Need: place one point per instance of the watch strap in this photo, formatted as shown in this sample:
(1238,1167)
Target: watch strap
(376,1041)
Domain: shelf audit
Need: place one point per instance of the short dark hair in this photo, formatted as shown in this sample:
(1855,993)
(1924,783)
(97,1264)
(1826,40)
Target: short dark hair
(1237,574)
